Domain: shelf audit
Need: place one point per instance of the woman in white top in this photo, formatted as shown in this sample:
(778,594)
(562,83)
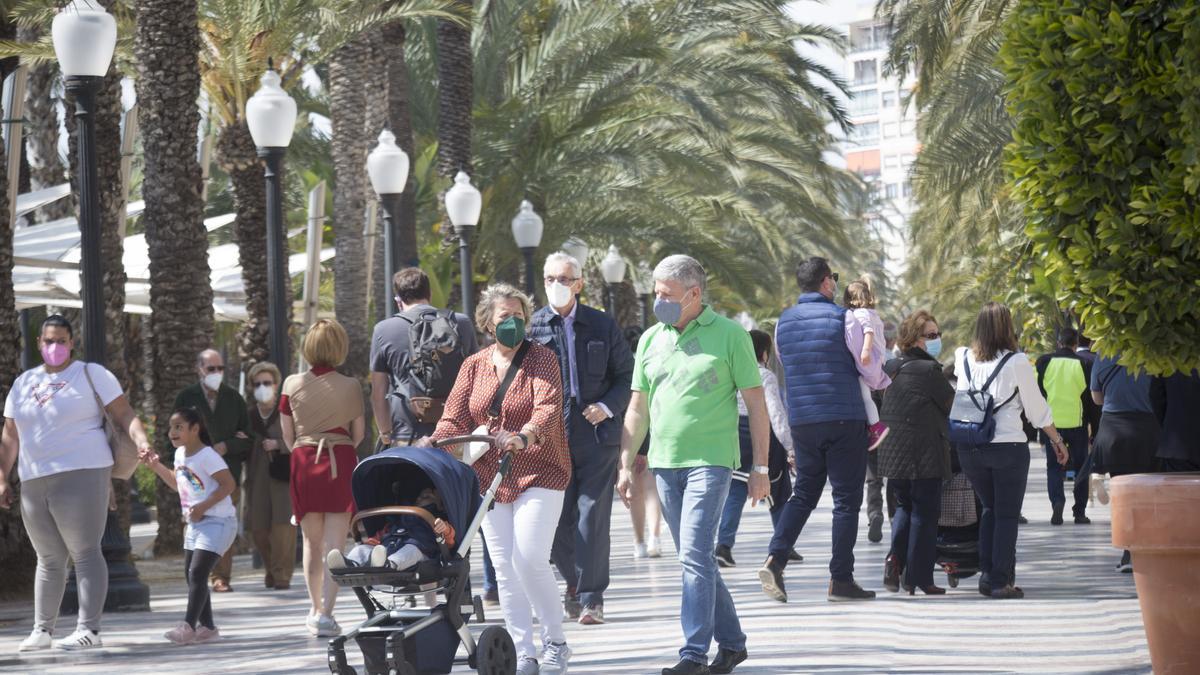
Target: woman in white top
(998,470)
(52,430)
(781,455)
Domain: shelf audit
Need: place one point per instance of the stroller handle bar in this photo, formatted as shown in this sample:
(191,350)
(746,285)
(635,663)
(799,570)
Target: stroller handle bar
(472,438)
(489,494)
(356,521)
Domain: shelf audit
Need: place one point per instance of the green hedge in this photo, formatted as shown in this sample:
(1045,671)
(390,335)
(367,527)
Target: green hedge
(1104,157)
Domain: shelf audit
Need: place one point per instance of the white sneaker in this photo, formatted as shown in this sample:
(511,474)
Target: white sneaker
(327,626)
(38,639)
(379,556)
(80,639)
(555,657)
(527,666)
(311,623)
(639,551)
(654,548)
(1097,481)
(334,560)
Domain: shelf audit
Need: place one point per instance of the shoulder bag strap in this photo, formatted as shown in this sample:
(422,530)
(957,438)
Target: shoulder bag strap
(498,399)
(95,394)
(996,372)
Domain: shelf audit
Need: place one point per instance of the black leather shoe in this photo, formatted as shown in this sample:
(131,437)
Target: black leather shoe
(1056,516)
(891,574)
(875,530)
(845,591)
(793,556)
(685,667)
(724,556)
(1082,520)
(985,588)
(771,577)
(726,661)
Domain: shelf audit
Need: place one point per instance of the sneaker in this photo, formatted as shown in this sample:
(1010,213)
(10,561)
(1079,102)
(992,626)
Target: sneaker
(311,623)
(80,639)
(875,530)
(654,548)
(1056,516)
(571,605)
(527,666)
(1099,488)
(379,556)
(771,577)
(206,634)
(875,435)
(181,634)
(1009,592)
(38,639)
(592,615)
(724,556)
(1081,519)
(639,552)
(845,591)
(327,626)
(334,560)
(555,657)
(1126,564)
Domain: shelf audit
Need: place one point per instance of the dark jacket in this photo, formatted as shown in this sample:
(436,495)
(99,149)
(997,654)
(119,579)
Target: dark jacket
(1091,411)
(819,371)
(915,409)
(603,366)
(223,424)
(1176,401)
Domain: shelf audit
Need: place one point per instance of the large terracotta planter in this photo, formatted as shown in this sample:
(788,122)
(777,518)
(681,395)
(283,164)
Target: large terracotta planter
(1157,517)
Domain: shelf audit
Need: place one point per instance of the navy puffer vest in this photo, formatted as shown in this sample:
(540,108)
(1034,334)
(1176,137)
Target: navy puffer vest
(820,375)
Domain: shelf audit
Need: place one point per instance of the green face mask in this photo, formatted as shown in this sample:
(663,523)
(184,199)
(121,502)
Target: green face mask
(510,331)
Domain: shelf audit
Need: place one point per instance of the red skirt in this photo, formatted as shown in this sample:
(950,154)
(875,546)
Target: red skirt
(314,487)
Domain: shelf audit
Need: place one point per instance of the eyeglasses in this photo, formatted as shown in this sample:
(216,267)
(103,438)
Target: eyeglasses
(932,336)
(834,275)
(565,281)
(265,383)
(214,369)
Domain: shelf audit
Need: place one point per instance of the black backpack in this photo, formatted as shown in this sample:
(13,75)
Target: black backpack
(435,356)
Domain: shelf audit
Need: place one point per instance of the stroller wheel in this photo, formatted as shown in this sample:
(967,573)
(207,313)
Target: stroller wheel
(952,580)
(495,653)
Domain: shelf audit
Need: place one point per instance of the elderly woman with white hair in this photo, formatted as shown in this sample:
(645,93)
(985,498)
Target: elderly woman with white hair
(520,529)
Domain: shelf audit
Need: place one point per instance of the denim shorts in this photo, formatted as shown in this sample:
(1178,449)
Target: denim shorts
(211,534)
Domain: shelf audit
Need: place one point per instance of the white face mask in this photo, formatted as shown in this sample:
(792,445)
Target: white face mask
(559,295)
(213,380)
(264,393)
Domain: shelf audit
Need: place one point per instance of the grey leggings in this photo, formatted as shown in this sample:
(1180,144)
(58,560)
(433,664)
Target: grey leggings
(64,514)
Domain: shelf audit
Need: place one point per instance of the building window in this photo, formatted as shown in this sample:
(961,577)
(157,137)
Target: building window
(890,129)
(865,72)
(892,162)
(868,37)
(864,102)
(865,133)
(888,100)
(906,189)
(892,190)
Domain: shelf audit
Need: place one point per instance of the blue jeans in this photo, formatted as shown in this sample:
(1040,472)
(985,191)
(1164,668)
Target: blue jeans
(1077,447)
(914,527)
(998,472)
(837,450)
(692,500)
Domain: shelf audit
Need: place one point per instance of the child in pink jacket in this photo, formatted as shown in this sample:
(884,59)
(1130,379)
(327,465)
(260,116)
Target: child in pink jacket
(864,339)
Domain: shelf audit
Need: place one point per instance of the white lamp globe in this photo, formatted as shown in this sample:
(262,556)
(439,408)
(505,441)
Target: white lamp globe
(527,226)
(577,249)
(84,39)
(612,268)
(463,202)
(387,165)
(271,113)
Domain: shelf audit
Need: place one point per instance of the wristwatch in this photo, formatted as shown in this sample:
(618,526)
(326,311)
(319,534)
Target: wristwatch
(760,468)
(524,439)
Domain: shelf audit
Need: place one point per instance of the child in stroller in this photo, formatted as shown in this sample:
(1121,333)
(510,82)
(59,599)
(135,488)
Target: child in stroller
(405,539)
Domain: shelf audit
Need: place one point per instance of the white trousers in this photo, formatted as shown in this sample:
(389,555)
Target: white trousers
(868,402)
(519,536)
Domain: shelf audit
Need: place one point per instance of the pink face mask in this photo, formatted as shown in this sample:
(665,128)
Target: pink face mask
(55,354)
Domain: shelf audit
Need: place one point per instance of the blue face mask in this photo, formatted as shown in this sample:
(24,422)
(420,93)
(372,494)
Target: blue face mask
(933,347)
(667,311)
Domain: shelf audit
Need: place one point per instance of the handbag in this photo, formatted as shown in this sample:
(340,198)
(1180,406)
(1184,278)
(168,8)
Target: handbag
(280,466)
(973,414)
(124,451)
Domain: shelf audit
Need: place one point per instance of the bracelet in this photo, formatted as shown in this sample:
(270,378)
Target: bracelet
(524,439)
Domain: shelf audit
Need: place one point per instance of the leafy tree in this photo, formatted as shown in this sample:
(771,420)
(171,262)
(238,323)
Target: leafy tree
(1104,161)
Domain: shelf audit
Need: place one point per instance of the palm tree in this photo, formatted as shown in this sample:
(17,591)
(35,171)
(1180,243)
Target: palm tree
(41,133)
(168,85)
(400,122)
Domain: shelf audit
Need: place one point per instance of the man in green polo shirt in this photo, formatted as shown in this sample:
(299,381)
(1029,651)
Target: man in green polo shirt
(688,372)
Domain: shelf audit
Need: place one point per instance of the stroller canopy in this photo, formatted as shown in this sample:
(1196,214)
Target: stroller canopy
(378,478)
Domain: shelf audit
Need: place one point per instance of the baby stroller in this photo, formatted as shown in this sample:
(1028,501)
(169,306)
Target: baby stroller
(958,530)
(398,638)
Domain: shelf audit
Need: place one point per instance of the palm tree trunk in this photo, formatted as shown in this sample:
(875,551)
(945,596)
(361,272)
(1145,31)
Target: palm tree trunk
(15,549)
(167,48)
(238,156)
(347,88)
(46,168)
(455,88)
(400,122)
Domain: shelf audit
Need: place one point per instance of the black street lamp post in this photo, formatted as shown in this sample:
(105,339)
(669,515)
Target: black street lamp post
(271,117)
(84,88)
(464,205)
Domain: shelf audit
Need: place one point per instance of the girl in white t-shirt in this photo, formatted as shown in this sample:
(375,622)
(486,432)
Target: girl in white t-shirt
(204,484)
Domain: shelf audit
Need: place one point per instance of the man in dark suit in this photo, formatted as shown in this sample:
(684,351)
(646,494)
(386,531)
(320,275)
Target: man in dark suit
(597,370)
